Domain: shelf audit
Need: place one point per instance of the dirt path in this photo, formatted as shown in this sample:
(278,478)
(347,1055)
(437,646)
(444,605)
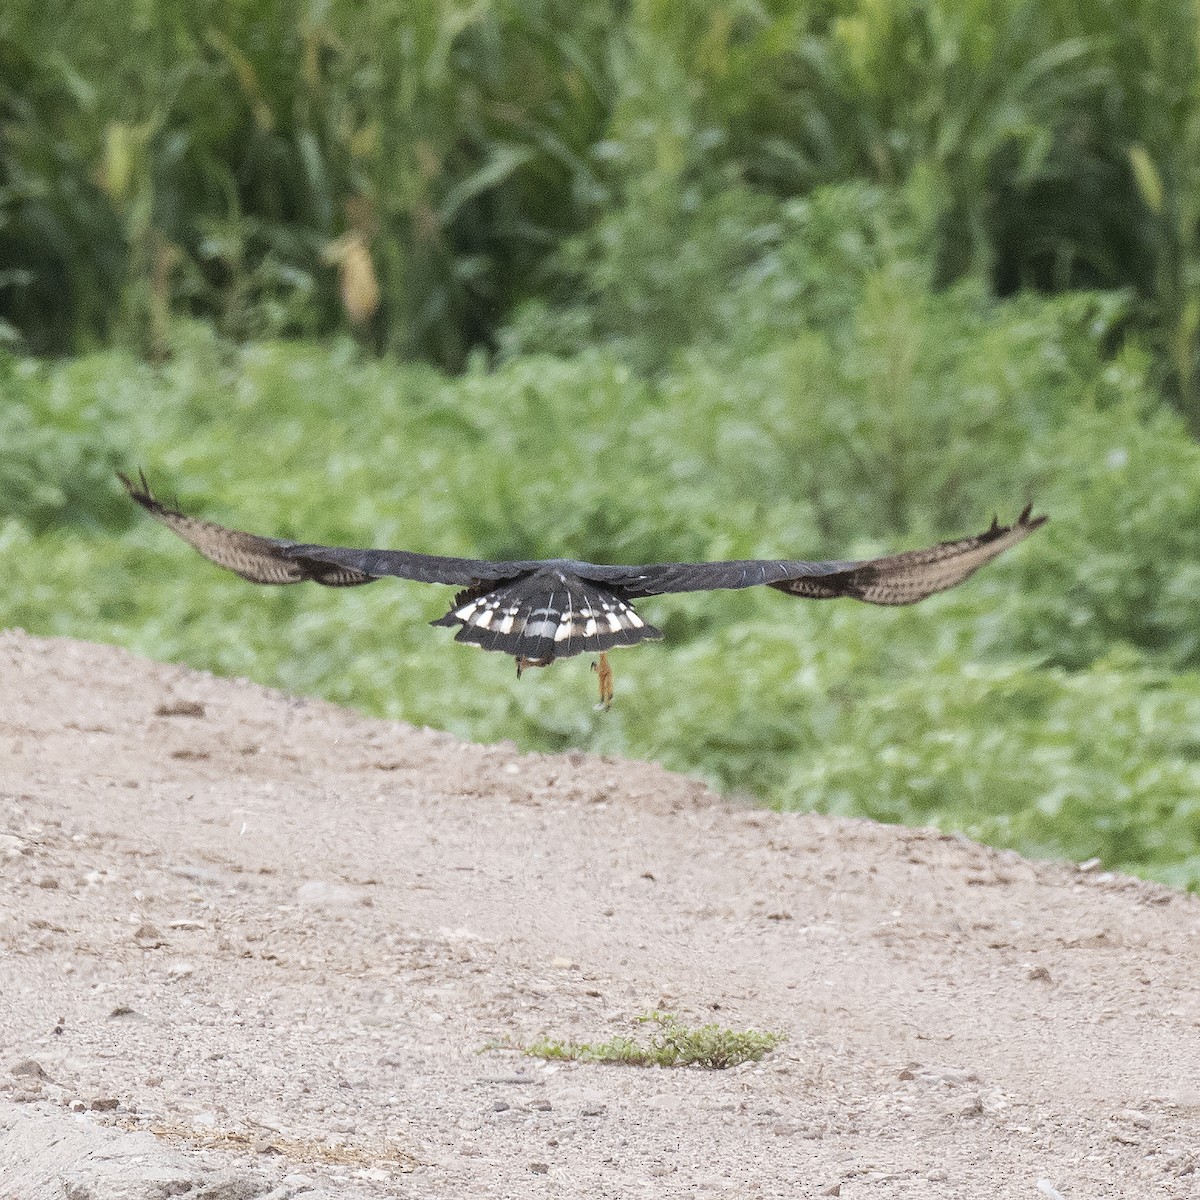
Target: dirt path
(277,935)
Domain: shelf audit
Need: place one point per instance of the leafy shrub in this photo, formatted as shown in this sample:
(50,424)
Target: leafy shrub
(1122,562)
(671,1044)
(58,450)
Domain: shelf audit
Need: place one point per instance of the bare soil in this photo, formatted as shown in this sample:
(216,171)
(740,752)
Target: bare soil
(268,941)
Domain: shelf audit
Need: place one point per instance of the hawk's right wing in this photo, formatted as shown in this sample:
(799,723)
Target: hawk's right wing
(278,560)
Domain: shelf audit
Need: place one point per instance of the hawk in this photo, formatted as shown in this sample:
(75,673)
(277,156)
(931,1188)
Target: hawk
(540,611)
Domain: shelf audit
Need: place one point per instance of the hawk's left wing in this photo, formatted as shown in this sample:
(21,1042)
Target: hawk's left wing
(901,578)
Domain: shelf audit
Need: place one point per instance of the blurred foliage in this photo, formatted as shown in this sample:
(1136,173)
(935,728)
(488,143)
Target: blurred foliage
(412,170)
(213,158)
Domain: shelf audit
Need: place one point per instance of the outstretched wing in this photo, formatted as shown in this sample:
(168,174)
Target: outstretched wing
(278,560)
(893,579)
(901,578)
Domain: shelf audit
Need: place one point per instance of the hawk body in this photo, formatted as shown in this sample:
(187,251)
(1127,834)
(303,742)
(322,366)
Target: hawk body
(552,612)
(539,611)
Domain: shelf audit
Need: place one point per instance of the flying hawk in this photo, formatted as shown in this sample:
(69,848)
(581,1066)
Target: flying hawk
(539,611)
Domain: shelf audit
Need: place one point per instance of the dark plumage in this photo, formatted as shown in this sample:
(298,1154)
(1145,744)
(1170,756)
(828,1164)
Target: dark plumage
(539,611)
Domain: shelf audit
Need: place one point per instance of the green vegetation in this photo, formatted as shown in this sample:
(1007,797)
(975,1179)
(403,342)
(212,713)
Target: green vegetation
(269,166)
(643,281)
(672,1044)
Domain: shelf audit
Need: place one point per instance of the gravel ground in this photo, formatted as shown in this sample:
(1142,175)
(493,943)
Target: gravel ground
(259,946)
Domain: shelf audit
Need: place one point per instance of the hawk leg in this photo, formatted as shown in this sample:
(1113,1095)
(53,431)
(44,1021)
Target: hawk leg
(522,663)
(606,682)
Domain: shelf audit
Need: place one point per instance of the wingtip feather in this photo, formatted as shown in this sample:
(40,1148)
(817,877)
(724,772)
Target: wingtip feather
(1028,521)
(139,491)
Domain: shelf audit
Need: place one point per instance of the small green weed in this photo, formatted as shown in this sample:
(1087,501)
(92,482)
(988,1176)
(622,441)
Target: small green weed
(672,1044)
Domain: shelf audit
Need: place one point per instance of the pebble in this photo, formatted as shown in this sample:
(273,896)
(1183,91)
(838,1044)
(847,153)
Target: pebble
(950,1076)
(1140,1119)
(196,874)
(180,708)
(30,1068)
(318,893)
(588,1101)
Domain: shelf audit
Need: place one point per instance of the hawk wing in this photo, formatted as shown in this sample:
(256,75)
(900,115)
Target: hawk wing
(901,578)
(278,560)
(542,611)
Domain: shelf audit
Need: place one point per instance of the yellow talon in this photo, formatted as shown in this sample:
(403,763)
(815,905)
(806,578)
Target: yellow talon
(606,682)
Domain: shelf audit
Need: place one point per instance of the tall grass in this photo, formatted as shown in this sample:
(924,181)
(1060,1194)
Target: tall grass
(413,170)
(223,153)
